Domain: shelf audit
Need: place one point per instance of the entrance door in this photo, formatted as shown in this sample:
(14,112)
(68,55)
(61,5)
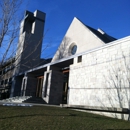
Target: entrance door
(39,86)
(65,87)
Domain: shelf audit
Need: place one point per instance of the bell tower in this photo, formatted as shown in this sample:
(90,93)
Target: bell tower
(30,41)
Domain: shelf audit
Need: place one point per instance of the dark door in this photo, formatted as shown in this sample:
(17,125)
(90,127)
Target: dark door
(39,86)
(65,87)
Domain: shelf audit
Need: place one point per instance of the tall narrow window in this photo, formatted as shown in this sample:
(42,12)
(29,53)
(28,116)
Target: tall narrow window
(6,81)
(10,80)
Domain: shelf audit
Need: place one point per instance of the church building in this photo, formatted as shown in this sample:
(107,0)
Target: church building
(89,69)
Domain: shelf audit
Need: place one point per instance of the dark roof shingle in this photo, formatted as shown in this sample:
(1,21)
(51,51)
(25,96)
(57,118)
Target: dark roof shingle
(104,37)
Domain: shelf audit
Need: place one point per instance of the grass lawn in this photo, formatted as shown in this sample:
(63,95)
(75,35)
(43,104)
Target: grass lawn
(52,118)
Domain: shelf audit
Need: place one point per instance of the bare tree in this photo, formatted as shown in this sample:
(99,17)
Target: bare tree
(9,35)
(9,26)
(9,29)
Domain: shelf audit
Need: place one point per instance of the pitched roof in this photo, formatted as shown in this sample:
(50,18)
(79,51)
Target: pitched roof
(102,35)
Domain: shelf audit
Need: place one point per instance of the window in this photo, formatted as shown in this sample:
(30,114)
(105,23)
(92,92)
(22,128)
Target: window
(10,80)
(4,71)
(2,82)
(79,59)
(72,49)
(6,81)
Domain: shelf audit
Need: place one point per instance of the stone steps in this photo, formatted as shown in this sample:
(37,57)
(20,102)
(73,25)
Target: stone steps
(35,100)
(24,99)
(16,99)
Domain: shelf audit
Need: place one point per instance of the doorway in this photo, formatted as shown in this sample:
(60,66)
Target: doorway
(39,86)
(65,87)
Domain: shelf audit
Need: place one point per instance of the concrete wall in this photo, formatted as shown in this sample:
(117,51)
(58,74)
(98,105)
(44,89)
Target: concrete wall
(30,41)
(56,88)
(53,85)
(79,35)
(31,86)
(28,85)
(102,77)
(17,81)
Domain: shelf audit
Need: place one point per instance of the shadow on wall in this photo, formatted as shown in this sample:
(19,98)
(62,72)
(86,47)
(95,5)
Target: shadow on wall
(117,85)
(63,50)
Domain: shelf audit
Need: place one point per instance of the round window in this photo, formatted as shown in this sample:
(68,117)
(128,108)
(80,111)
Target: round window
(73,49)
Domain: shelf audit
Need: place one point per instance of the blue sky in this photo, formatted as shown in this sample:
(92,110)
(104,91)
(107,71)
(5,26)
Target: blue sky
(112,16)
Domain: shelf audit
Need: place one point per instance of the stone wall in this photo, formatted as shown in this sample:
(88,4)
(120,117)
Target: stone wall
(17,90)
(56,88)
(53,87)
(102,77)
(31,86)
